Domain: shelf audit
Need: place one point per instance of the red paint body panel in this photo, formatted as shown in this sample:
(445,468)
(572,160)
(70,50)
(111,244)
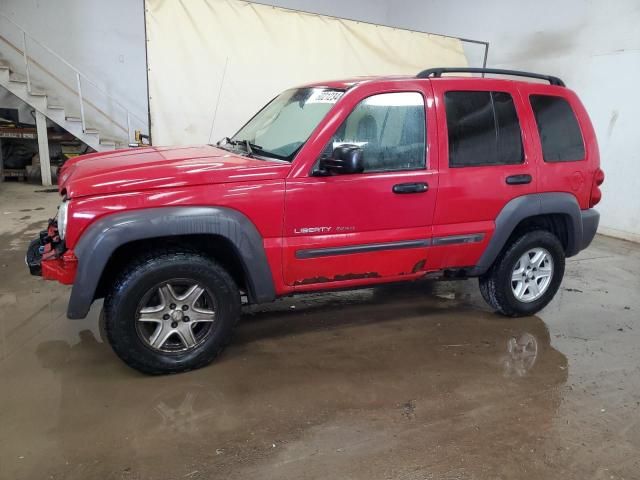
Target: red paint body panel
(571,177)
(256,200)
(161,168)
(461,255)
(62,269)
(470,198)
(262,202)
(363,204)
(282,199)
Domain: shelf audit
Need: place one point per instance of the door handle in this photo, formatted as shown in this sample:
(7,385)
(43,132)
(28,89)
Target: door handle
(521,179)
(419,187)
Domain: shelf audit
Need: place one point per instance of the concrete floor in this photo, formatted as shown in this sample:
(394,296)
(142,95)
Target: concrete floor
(407,382)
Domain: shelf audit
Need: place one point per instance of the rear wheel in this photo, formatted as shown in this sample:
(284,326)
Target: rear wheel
(526,275)
(171,312)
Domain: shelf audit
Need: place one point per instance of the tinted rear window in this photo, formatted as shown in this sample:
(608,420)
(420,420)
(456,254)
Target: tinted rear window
(483,129)
(558,128)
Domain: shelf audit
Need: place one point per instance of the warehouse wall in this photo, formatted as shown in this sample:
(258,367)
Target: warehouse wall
(104,39)
(179,37)
(393,13)
(593,45)
(373,11)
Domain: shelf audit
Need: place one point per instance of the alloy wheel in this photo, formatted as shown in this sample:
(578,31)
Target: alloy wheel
(175,316)
(532,274)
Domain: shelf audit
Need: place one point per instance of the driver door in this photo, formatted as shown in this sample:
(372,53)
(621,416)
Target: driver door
(375,226)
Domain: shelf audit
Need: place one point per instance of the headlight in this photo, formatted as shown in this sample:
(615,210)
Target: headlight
(62,218)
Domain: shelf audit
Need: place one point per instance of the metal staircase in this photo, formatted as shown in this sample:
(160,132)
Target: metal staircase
(62,93)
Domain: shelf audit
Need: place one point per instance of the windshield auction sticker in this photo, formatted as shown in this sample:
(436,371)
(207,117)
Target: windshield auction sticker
(325,96)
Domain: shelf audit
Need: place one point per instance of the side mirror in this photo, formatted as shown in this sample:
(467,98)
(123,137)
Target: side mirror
(344,159)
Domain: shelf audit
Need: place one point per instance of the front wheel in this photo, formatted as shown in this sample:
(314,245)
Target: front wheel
(171,312)
(526,276)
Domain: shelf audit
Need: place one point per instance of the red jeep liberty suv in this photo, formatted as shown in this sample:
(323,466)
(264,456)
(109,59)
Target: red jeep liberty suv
(332,185)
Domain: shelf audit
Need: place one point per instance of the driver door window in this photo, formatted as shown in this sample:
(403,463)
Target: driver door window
(390,129)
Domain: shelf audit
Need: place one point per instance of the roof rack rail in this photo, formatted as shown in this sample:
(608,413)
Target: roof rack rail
(437,72)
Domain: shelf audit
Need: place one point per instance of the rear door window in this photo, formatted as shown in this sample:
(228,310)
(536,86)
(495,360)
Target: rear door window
(558,128)
(483,129)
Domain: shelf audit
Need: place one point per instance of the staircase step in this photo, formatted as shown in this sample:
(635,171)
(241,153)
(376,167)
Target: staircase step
(55,109)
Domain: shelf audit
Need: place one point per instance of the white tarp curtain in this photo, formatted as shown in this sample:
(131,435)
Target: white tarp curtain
(224,59)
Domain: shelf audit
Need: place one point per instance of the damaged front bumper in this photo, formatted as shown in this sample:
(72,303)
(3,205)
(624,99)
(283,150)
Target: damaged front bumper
(47,257)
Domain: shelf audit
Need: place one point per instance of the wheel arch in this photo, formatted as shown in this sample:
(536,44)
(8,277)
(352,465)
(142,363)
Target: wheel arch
(555,211)
(204,229)
(209,245)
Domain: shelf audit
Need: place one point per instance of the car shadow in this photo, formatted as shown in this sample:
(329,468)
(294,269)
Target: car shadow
(344,309)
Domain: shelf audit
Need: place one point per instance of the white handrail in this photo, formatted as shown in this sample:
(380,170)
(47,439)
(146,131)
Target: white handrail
(26,60)
(84,124)
(78,73)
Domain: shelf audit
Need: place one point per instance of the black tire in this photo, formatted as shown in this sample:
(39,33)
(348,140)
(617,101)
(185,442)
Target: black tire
(122,303)
(496,283)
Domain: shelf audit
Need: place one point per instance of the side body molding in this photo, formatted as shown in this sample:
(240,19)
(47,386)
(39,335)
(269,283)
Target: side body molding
(529,206)
(102,238)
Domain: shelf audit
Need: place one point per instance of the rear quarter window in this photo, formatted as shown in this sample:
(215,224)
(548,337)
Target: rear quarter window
(558,127)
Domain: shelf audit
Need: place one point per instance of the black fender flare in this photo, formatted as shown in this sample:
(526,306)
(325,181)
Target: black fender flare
(532,205)
(102,238)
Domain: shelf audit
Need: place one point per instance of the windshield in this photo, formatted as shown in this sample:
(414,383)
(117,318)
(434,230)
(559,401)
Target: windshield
(281,128)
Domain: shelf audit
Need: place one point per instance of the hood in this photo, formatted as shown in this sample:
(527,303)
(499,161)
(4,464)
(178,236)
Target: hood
(161,167)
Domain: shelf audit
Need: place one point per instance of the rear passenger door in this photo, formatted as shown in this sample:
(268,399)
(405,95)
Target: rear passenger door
(484,163)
